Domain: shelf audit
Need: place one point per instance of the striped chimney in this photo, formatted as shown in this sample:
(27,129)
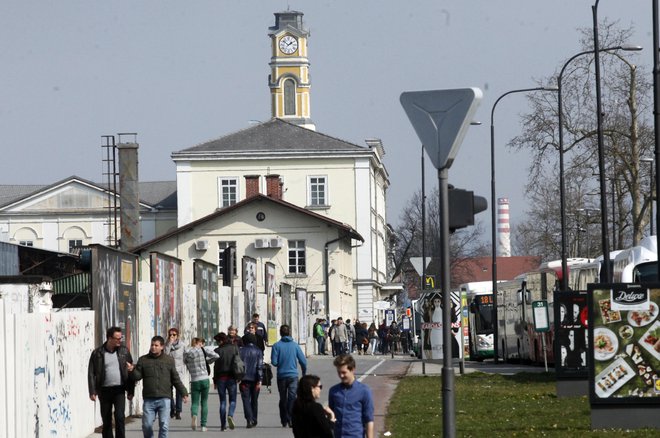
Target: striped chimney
(503,230)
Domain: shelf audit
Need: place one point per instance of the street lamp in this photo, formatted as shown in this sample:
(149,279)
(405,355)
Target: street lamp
(586,227)
(560,115)
(493,207)
(650,160)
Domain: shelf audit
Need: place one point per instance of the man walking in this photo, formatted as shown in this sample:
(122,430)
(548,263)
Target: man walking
(350,334)
(250,385)
(261,328)
(351,401)
(174,347)
(319,334)
(286,355)
(159,373)
(107,378)
(339,336)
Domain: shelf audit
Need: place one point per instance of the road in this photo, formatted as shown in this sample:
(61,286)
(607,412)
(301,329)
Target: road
(381,373)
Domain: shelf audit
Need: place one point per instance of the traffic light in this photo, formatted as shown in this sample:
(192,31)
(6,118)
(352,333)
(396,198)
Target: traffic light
(463,205)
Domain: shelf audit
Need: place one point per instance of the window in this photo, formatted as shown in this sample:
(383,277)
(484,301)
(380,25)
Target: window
(73,243)
(318,191)
(26,242)
(296,256)
(289,98)
(228,191)
(221,256)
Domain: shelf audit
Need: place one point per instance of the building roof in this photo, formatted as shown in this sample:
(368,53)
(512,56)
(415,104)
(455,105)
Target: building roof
(480,268)
(275,135)
(158,194)
(352,233)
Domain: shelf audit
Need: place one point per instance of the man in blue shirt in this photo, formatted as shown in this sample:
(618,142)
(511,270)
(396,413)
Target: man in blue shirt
(351,401)
(286,355)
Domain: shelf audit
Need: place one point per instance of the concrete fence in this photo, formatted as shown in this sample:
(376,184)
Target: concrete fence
(44,359)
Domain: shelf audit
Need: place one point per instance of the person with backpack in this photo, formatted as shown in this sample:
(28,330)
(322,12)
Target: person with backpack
(225,376)
(197,359)
(286,355)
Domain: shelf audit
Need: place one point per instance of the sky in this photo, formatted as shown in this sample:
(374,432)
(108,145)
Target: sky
(181,73)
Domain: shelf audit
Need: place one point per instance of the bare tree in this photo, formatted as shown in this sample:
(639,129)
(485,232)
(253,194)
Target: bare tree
(628,137)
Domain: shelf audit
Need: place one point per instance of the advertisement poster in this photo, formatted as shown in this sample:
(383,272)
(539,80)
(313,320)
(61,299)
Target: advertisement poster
(249,288)
(571,319)
(431,306)
(625,351)
(206,285)
(303,322)
(168,288)
(271,300)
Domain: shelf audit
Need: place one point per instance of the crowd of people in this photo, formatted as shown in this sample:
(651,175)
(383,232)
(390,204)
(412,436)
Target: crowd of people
(340,337)
(236,364)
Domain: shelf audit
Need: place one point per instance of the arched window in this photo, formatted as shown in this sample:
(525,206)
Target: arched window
(289,98)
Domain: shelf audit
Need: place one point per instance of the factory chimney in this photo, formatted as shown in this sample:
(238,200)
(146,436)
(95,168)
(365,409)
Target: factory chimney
(129,196)
(503,230)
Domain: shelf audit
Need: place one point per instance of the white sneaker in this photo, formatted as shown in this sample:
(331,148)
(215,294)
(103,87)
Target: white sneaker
(204,429)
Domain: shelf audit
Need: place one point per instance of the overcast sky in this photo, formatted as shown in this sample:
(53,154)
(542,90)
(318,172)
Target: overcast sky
(180,73)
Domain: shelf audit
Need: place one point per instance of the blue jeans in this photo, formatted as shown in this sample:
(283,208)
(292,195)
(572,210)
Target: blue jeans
(226,387)
(321,344)
(151,407)
(250,397)
(287,387)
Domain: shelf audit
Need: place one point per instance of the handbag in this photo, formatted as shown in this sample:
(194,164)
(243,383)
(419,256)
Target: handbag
(237,367)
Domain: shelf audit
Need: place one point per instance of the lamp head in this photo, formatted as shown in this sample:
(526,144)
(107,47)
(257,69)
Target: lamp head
(631,48)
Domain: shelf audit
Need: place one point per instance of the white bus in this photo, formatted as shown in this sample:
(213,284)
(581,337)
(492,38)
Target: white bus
(637,264)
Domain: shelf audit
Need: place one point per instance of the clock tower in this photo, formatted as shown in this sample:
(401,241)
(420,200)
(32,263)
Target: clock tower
(289,69)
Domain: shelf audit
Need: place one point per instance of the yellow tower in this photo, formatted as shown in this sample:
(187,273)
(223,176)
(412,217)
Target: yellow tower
(289,69)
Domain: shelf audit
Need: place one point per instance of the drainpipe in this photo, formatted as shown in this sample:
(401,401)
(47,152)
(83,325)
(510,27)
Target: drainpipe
(327,276)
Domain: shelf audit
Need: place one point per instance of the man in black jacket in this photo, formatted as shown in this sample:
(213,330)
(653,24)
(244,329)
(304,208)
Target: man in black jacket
(107,378)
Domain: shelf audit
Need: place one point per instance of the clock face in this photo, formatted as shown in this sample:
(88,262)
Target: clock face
(288,44)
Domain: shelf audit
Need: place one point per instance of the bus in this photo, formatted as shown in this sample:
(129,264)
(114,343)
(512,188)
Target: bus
(517,338)
(635,264)
(479,298)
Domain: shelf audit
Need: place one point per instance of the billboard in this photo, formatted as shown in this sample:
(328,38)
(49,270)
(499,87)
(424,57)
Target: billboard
(571,320)
(249,288)
(206,286)
(271,300)
(625,348)
(431,308)
(168,291)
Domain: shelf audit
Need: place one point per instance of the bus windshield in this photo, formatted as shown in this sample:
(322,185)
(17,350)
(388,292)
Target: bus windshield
(483,317)
(645,272)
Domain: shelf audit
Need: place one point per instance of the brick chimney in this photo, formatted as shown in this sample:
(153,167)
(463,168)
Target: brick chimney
(251,185)
(273,186)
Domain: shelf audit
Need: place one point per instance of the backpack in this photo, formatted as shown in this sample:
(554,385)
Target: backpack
(206,358)
(237,367)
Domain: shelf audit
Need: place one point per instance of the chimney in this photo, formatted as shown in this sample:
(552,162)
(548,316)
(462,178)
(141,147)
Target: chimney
(251,185)
(503,230)
(129,197)
(273,186)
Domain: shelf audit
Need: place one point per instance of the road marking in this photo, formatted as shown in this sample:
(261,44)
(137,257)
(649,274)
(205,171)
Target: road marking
(366,373)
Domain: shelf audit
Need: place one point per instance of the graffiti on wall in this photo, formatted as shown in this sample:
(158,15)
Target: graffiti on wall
(249,287)
(303,322)
(168,291)
(114,289)
(206,285)
(271,299)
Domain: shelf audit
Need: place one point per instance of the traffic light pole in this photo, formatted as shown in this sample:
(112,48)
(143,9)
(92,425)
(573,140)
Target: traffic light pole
(448,402)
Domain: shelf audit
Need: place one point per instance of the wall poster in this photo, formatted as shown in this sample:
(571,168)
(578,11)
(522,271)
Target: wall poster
(249,288)
(271,300)
(206,286)
(168,291)
(303,322)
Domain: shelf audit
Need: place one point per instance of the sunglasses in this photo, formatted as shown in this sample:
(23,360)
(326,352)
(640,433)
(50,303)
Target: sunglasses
(173,335)
(319,386)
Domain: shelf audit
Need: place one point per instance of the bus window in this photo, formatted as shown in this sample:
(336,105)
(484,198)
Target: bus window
(483,318)
(645,272)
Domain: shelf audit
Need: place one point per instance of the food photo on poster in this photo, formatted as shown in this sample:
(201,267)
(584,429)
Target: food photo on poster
(625,352)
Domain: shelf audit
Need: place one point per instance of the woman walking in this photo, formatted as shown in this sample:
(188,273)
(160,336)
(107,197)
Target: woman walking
(224,379)
(373,337)
(250,385)
(361,337)
(309,418)
(197,359)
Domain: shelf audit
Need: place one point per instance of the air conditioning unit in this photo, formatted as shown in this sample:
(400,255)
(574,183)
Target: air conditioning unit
(276,242)
(202,245)
(261,243)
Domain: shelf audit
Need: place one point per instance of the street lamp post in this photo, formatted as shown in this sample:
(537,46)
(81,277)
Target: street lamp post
(493,207)
(651,161)
(560,115)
